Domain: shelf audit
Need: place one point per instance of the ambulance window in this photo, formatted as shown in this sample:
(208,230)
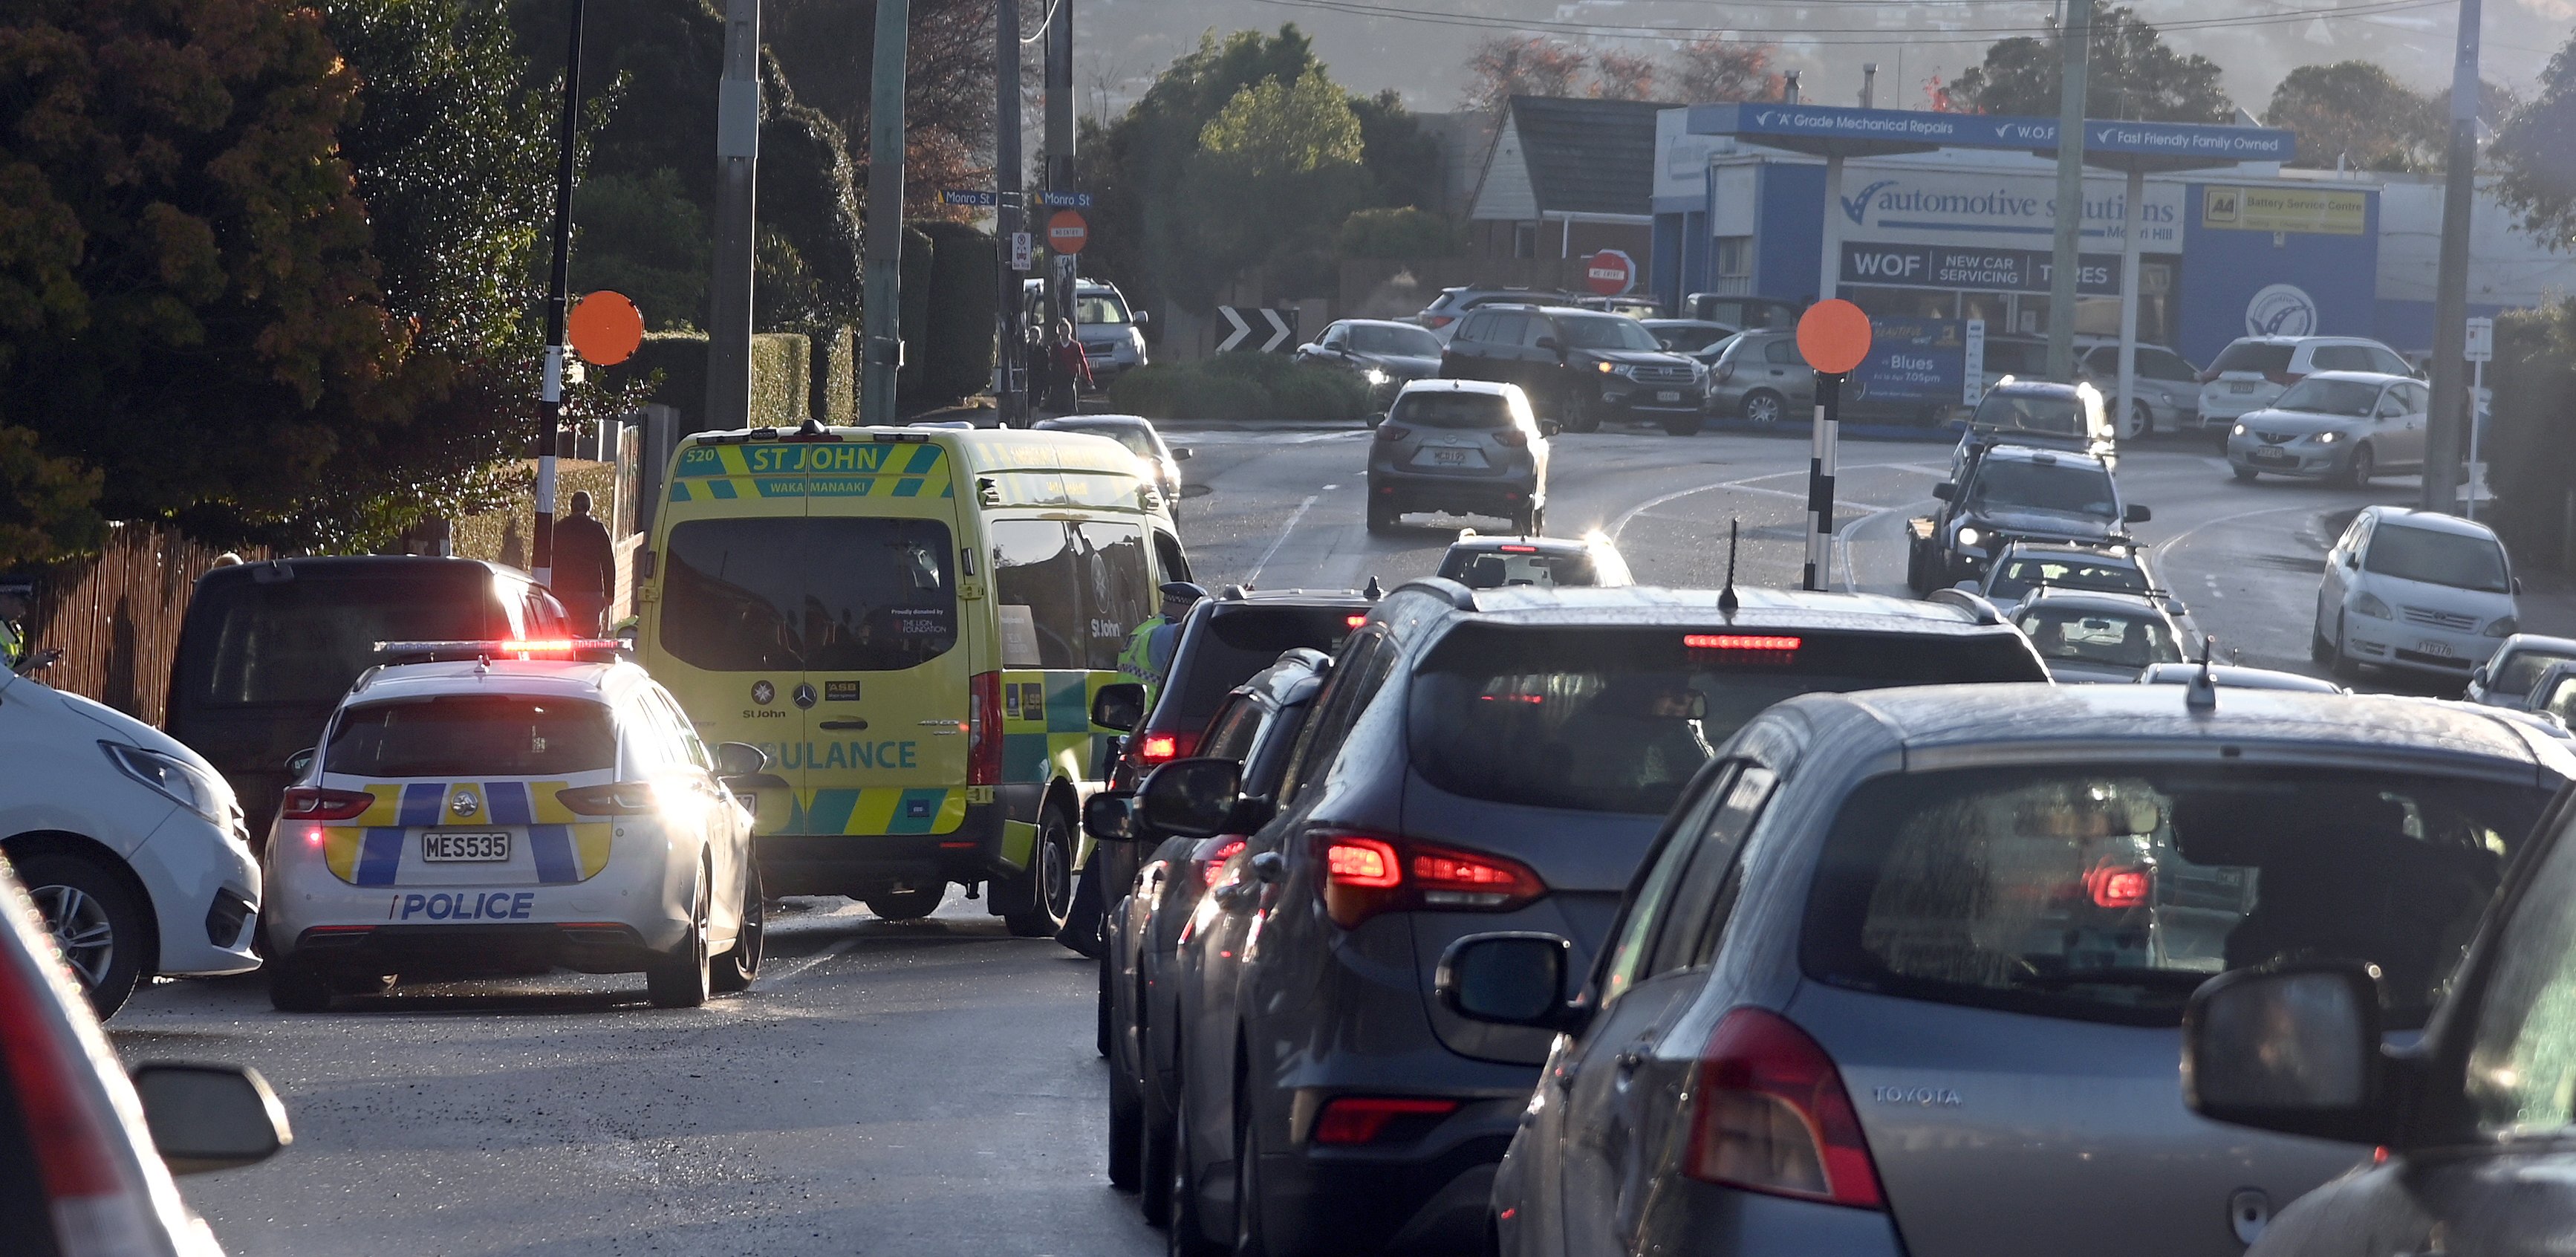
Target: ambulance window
(1119,592)
(842,594)
(1173,561)
(1036,569)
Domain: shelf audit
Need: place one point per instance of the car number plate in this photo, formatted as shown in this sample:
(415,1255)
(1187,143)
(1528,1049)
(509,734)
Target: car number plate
(465,848)
(1446,458)
(1668,395)
(2439,650)
(2240,387)
(749,800)
(2267,454)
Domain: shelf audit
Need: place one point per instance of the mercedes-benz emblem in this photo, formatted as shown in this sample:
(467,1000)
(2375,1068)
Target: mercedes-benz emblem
(464,804)
(805,694)
(762,692)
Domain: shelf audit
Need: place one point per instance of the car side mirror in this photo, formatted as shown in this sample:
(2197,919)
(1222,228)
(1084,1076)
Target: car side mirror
(739,759)
(2517,584)
(1546,342)
(1140,317)
(1180,453)
(1110,816)
(2478,674)
(211,1117)
(1945,491)
(1119,705)
(1190,798)
(2352,559)
(2136,515)
(2293,1049)
(301,761)
(1514,979)
(1549,427)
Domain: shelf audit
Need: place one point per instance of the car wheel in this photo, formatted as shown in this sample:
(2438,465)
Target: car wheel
(1101,1005)
(681,979)
(1126,1113)
(1382,516)
(296,987)
(1050,876)
(1764,406)
(2357,476)
(1581,415)
(98,923)
(910,904)
(2341,664)
(2243,473)
(740,964)
(1684,425)
(1248,1240)
(1185,1235)
(1154,1151)
(2142,421)
(2319,649)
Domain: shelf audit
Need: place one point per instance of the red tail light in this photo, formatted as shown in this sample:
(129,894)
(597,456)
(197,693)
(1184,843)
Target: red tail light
(1350,1120)
(1163,748)
(1438,320)
(618,798)
(1722,374)
(1213,862)
(2118,886)
(984,729)
(1390,432)
(1365,875)
(306,803)
(1354,620)
(1770,1115)
(1512,438)
(2282,378)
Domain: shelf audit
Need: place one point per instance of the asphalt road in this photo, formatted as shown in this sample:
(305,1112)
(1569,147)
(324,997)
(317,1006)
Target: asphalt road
(931,1088)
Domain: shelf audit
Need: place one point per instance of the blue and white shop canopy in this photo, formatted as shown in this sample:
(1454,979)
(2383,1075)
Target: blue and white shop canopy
(1839,131)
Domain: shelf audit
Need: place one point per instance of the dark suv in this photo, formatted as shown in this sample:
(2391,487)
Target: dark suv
(1580,366)
(1478,761)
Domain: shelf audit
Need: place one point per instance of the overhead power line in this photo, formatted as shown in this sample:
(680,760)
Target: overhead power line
(1838,36)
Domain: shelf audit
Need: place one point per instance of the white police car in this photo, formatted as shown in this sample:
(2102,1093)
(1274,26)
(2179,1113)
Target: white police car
(509,808)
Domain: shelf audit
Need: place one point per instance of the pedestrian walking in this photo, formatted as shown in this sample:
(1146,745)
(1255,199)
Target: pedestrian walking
(1072,373)
(585,574)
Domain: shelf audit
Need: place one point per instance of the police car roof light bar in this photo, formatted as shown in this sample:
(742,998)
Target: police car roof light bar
(520,648)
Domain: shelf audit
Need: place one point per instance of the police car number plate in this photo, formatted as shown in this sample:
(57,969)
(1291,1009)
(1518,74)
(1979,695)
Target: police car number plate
(465,848)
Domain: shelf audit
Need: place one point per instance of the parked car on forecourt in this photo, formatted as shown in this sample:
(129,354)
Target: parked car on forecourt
(1257,728)
(1386,355)
(2505,680)
(2334,425)
(1460,447)
(1440,318)
(1688,336)
(1905,971)
(1138,434)
(2418,591)
(2165,386)
(2253,371)
(1478,561)
(1579,366)
(1494,759)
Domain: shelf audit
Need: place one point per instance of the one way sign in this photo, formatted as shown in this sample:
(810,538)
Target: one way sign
(1277,329)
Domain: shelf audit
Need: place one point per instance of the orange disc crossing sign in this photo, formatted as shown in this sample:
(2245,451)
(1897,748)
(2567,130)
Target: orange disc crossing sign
(1067,232)
(1610,272)
(1833,336)
(605,328)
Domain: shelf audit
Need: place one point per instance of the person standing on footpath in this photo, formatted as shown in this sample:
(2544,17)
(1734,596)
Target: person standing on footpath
(585,567)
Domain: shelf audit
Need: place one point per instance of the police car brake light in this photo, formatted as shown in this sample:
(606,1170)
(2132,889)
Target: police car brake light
(308,803)
(1767,643)
(618,798)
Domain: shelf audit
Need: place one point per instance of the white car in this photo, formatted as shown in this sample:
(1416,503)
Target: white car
(2334,425)
(2414,590)
(2506,679)
(2252,371)
(485,815)
(130,843)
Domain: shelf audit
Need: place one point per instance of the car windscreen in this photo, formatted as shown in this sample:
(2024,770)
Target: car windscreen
(1493,569)
(2113,639)
(2031,412)
(1444,408)
(1605,331)
(2521,670)
(1232,644)
(1411,342)
(2351,398)
(1137,440)
(304,640)
(1687,338)
(2102,893)
(1099,307)
(2016,577)
(826,593)
(2060,487)
(2253,355)
(2459,560)
(475,736)
(1617,719)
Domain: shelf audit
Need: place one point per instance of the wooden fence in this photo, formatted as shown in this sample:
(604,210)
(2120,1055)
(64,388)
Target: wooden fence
(116,618)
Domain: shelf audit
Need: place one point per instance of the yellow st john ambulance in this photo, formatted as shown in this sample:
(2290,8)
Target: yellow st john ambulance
(913,623)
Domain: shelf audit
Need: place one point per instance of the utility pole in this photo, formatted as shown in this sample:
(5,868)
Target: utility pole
(1059,146)
(737,185)
(2075,39)
(884,352)
(1009,219)
(2451,286)
(558,284)
(1868,84)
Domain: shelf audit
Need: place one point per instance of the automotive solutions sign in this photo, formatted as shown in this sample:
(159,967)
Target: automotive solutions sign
(1902,205)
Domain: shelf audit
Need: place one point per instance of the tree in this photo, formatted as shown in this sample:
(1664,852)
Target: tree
(1504,66)
(1622,75)
(1275,129)
(1716,69)
(1277,169)
(828,49)
(2131,74)
(2353,111)
(1402,158)
(2537,150)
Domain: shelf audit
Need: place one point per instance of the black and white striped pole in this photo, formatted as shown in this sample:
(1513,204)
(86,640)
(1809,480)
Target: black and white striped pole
(1833,336)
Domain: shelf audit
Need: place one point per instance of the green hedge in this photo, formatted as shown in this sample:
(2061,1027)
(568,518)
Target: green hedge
(957,349)
(781,376)
(836,377)
(1242,387)
(2530,448)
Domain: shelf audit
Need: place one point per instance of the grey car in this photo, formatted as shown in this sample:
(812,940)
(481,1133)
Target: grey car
(1480,759)
(2506,678)
(1760,377)
(1905,971)
(2165,388)
(1468,447)
(2334,425)
(2093,637)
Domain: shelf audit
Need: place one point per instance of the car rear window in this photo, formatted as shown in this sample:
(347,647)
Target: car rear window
(1231,645)
(1445,409)
(1493,569)
(472,735)
(2020,576)
(304,640)
(2031,412)
(2253,355)
(2458,560)
(840,594)
(2118,639)
(1617,719)
(2101,893)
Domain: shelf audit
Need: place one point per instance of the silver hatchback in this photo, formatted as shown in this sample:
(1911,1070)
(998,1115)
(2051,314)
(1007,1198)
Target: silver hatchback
(1905,972)
(1468,447)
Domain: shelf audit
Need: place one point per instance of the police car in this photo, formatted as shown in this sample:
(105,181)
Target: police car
(482,809)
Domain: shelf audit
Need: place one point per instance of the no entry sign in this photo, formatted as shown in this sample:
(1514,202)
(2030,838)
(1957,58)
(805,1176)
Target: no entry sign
(1610,272)
(1067,232)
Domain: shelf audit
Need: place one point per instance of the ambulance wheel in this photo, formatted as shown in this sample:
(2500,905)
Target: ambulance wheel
(100,926)
(1046,892)
(296,987)
(911,904)
(681,980)
(741,963)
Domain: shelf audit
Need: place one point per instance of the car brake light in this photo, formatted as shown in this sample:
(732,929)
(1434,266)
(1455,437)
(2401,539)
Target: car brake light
(618,798)
(1438,320)
(1390,432)
(307,803)
(1354,619)
(1512,439)
(2283,378)
(1159,748)
(1770,1115)
(1518,549)
(984,729)
(1767,644)
(1350,1120)
(1213,862)
(1365,875)
(2118,886)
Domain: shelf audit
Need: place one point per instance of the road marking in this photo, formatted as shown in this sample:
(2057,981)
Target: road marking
(779,975)
(1273,551)
(2173,543)
(1746,485)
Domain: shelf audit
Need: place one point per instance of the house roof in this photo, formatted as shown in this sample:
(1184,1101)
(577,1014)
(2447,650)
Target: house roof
(1588,156)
